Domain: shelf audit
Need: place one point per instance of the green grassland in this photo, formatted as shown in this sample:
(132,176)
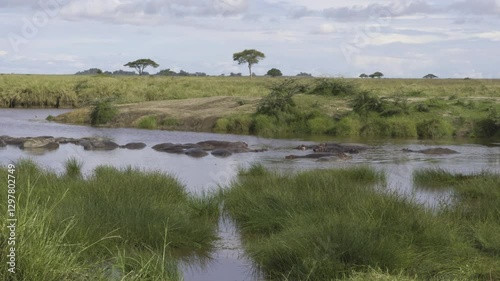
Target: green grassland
(343,225)
(388,108)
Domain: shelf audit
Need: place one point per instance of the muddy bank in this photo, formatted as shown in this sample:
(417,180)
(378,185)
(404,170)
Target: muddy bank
(197,115)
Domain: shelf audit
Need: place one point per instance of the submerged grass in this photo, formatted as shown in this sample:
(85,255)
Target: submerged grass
(117,224)
(334,224)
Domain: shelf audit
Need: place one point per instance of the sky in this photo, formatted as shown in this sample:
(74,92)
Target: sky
(402,39)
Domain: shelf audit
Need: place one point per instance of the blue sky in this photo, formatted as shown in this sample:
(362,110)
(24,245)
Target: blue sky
(449,38)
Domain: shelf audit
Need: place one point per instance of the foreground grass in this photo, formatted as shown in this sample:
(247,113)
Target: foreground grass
(334,224)
(116,225)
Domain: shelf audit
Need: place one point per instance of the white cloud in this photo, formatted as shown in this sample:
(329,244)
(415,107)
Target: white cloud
(384,39)
(3,53)
(493,35)
(327,28)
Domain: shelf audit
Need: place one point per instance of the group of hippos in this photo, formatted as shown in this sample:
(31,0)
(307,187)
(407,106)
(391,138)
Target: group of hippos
(217,148)
(197,150)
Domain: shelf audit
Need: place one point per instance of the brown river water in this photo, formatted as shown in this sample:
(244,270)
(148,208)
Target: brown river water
(203,174)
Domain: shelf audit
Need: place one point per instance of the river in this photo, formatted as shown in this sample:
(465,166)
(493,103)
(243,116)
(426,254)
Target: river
(202,174)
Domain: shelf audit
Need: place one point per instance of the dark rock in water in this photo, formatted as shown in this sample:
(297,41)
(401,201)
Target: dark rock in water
(37,143)
(196,152)
(433,151)
(134,145)
(99,145)
(221,153)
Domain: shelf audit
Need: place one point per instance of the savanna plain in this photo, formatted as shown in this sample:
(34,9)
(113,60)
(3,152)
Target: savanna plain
(329,224)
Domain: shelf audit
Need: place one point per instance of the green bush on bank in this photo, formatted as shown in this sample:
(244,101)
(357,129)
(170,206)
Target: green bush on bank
(102,112)
(148,122)
(434,128)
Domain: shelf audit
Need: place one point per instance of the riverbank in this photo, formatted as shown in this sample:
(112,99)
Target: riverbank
(271,107)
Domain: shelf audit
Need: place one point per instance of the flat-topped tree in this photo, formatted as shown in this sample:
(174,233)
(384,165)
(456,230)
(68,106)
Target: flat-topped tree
(141,64)
(377,74)
(363,75)
(249,56)
(430,76)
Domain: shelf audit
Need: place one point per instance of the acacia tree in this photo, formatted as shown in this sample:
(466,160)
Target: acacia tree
(430,76)
(141,64)
(377,74)
(249,56)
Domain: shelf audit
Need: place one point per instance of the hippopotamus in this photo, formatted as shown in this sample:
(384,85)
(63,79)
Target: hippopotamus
(332,158)
(339,155)
(174,147)
(234,147)
(196,152)
(63,140)
(134,145)
(221,153)
(336,147)
(39,144)
(306,147)
(433,151)
(95,145)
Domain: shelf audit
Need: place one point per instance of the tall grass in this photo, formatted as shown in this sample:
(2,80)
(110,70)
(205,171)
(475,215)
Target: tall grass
(117,224)
(334,224)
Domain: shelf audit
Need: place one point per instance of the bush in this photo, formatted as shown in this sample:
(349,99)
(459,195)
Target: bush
(434,128)
(280,99)
(334,87)
(234,124)
(148,122)
(102,112)
(264,125)
(274,72)
(320,125)
(365,102)
(347,127)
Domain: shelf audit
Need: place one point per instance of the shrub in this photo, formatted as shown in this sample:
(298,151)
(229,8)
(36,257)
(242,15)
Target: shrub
(334,87)
(274,72)
(148,122)
(422,107)
(264,125)
(280,98)
(347,127)
(234,124)
(365,102)
(320,125)
(102,112)
(434,128)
